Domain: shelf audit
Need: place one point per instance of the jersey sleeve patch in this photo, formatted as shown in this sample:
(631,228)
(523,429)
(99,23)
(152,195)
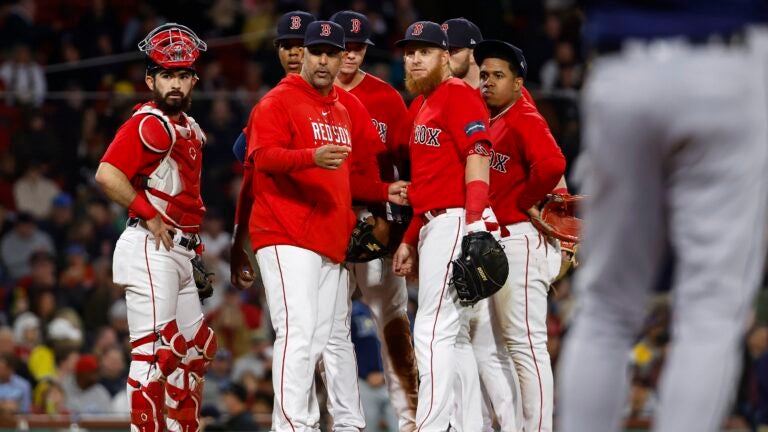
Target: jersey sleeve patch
(155,134)
(474,127)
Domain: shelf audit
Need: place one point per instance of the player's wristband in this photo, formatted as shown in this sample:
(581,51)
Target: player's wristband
(142,208)
(476,200)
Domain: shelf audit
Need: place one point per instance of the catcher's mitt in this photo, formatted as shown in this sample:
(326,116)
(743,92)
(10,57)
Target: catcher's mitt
(481,269)
(569,260)
(203,278)
(368,241)
(558,218)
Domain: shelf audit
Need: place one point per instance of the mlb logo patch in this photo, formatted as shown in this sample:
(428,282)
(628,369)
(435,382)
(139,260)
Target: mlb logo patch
(473,127)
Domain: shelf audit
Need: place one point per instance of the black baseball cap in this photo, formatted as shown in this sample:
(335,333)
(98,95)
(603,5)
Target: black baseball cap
(426,32)
(293,25)
(324,33)
(356,26)
(462,33)
(503,50)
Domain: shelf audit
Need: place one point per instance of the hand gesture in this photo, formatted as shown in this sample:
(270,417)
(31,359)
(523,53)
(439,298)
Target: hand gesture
(331,156)
(405,260)
(162,232)
(240,267)
(398,193)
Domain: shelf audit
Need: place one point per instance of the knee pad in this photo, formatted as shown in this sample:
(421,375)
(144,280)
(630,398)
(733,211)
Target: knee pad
(173,347)
(205,344)
(147,406)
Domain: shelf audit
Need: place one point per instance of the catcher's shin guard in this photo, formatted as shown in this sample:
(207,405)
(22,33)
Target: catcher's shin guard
(147,400)
(185,387)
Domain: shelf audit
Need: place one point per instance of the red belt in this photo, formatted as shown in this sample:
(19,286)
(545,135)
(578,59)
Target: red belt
(434,213)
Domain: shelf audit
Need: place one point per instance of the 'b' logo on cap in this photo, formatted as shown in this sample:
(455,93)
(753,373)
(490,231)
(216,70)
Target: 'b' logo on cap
(325,29)
(295,22)
(417,29)
(444,27)
(355,25)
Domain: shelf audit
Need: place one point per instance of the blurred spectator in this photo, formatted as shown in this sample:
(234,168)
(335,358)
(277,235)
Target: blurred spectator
(26,333)
(34,193)
(562,71)
(239,417)
(233,321)
(76,279)
(15,391)
(105,234)
(19,244)
(217,378)
(24,79)
(374,397)
(84,393)
(57,226)
(52,399)
(113,370)
(216,240)
(257,361)
(38,144)
(100,298)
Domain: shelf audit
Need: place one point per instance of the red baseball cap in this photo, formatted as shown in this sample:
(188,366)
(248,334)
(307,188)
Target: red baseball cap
(87,363)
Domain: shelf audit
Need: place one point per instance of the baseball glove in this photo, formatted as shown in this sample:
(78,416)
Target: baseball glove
(203,278)
(569,260)
(558,218)
(481,269)
(369,240)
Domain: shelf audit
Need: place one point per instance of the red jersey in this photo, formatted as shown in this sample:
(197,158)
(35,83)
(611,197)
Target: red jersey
(295,202)
(390,117)
(137,153)
(448,126)
(526,162)
(365,177)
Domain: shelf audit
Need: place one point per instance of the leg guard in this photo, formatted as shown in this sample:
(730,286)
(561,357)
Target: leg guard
(147,406)
(185,387)
(147,400)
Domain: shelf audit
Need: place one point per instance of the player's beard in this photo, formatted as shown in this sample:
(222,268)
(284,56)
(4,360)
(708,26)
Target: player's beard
(173,106)
(426,85)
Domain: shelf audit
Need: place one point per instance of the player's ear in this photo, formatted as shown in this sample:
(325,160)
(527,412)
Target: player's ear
(195,79)
(150,81)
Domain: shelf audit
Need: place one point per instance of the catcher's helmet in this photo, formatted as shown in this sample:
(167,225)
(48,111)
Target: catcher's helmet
(171,46)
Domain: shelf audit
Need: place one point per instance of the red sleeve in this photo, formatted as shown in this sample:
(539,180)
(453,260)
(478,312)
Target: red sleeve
(269,138)
(545,160)
(468,126)
(411,236)
(126,152)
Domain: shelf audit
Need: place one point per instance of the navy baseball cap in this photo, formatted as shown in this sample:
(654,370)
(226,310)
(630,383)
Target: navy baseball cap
(462,33)
(425,32)
(356,26)
(324,33)
(293,25)
(503,50)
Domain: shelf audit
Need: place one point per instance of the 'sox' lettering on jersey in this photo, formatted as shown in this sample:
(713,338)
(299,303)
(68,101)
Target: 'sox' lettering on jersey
(499,162)
(355,25)
(295,22)
(382,128)
(475,126)
(325,29)
(426,135)
(331,134)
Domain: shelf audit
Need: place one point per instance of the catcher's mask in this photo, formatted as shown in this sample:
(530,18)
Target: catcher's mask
(171,46)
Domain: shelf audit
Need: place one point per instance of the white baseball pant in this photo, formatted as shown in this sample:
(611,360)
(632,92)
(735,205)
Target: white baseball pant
(302,291)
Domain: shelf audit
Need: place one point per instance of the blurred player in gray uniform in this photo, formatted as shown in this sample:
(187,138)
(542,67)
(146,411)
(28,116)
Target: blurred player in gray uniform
(675,153)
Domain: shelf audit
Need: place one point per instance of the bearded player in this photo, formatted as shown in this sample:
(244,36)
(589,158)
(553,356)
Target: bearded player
(449,151)
(152,167)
